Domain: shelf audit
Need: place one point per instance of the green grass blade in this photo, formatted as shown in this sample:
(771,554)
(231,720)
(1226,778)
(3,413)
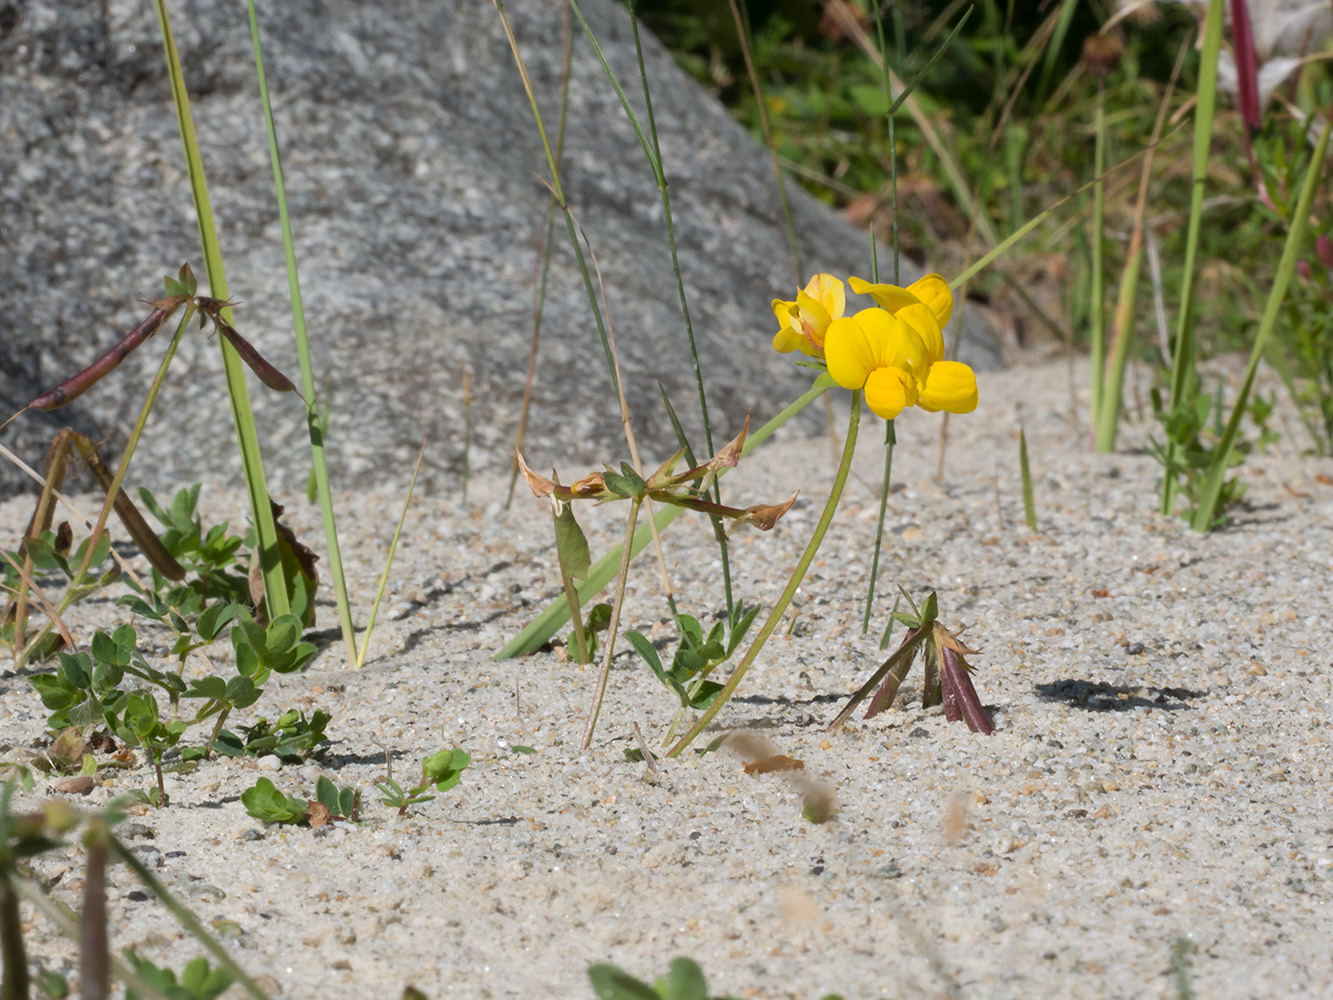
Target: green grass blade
(247,437)
(1206,513)
(1182,353)
(1098,360)
(546,624)
(1025,470)
(1106,418)
(388,560)
(890,439)
(559,193)
(314,425)
(761,109)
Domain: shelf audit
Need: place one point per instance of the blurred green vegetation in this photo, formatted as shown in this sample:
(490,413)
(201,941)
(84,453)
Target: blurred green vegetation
(1012,103)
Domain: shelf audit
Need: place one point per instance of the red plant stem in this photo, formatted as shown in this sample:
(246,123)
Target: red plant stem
(76,385)
(1247,69)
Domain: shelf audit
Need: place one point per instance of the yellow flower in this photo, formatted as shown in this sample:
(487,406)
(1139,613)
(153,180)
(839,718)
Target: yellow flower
(896,352)
(805,322)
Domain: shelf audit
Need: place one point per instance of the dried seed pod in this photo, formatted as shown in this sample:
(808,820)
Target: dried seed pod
(76,385)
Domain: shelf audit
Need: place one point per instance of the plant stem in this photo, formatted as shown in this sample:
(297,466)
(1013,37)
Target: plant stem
(14,985)
(314,425)
(1098,360)
(1184,380)
(798,574)
(187,919)
(626,554)
(890,439)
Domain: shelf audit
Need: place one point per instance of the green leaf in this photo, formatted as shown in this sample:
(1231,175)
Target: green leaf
(215,617)
(347,803)
(326,793)
(685,981)
(571,544)
(870,99)
(242,692)
(208,687)
(930,610)
(75,670)
(263,801)
(626,483)
(645,649)
(610,982)
(444,769)
(282,634)
(103,648)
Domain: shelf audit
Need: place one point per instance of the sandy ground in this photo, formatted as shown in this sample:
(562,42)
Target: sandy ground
(1158,783)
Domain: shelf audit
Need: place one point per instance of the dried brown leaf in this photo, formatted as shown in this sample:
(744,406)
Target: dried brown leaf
(540,485)
(730,455)
(316,814)
(764,515)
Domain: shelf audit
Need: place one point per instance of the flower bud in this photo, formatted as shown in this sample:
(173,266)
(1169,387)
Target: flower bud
(1303,269)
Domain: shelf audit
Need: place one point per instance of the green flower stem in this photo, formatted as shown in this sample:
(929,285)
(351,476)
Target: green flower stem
(798,574)
(890,439)
(626,555)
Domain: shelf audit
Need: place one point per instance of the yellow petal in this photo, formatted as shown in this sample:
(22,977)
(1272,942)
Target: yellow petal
(849,353)
(829,292)
(922,321)
(783,311)
(889,391)
(787,340)
(950,386)
(933,290)
(812,317)
(893,342)
(889,297)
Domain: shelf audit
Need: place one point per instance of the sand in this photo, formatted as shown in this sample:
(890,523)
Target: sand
(1150,818)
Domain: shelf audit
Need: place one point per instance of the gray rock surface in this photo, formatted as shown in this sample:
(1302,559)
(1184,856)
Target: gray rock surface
(413,173)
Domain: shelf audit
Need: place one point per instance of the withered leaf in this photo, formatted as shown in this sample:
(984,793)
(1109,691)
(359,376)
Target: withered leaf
(541,486)
(764,515)
(298,561)
(730,455)
(78,785)
(316,814)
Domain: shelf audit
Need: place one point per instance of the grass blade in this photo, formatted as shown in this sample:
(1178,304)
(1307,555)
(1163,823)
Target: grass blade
(1206,513)
(388,560)
(247,437)
(314,425)
(1025,470)
(1182,361)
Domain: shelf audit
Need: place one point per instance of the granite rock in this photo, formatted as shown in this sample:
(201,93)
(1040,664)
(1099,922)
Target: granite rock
(414,178)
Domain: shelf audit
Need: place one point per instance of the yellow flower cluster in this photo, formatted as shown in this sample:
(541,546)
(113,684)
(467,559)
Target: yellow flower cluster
(895,351)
